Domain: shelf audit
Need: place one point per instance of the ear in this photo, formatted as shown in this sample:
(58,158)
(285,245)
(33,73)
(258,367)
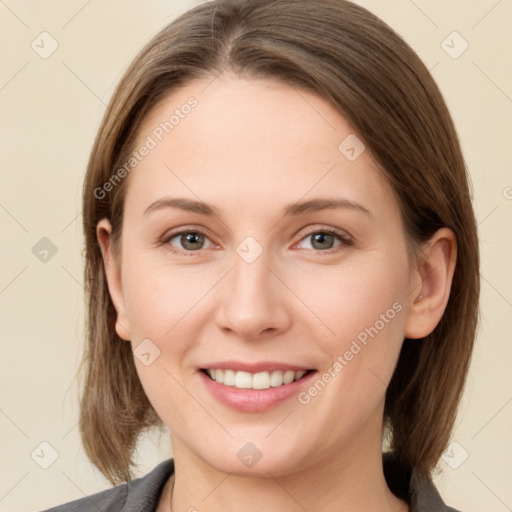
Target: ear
(434,276)
(113,274)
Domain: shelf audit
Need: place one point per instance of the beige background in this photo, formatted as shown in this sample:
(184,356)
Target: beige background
(50,111)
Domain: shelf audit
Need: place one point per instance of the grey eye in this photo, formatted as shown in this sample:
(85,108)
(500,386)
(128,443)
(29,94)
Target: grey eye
(322,240)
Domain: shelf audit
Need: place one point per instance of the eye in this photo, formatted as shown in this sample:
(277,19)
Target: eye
(188,240)
(323,240)
(193,240)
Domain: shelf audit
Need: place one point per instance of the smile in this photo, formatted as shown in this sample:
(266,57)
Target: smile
(260,380)
(255,387)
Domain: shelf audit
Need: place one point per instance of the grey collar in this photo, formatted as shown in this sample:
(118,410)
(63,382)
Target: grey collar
(414,487)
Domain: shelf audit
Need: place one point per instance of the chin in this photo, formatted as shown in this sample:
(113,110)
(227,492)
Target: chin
(254,459)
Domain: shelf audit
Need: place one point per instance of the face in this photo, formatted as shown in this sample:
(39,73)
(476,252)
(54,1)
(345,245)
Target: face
(308,304)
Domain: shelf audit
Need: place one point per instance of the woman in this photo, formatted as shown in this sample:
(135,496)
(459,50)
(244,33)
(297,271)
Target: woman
(281,266)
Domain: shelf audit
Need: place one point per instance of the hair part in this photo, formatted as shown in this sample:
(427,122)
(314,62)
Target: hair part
(348,56)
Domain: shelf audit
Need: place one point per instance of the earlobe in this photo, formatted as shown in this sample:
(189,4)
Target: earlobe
(113,274)
(435,272)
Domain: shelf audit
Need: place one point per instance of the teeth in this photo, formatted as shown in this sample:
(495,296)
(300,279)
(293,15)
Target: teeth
(229,378)
(243,380)
(261,380)
(276,378)
(288,377)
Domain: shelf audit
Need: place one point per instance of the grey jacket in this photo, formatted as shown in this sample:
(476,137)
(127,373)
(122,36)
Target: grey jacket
(143,494)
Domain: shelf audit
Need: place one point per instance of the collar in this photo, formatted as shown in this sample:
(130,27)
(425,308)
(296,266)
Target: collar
(413,486)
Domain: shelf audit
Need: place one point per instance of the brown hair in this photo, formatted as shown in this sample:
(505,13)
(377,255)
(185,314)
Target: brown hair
(348,56)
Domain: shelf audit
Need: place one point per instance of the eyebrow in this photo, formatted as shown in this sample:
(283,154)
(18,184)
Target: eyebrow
(294,209)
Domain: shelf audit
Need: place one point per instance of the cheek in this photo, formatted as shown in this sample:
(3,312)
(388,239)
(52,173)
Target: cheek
(159,296)
(352,300)
(365,307)
(161,305)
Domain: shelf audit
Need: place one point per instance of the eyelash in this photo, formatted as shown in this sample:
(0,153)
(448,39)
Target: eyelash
(345,240)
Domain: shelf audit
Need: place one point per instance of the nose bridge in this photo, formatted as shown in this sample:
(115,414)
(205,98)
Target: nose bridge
(252,301)
(251,270)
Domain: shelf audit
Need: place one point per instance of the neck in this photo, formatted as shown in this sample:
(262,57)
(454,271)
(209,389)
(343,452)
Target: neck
(353,481)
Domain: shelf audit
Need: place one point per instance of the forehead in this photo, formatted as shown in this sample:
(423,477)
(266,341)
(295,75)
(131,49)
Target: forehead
(228,139)
(246,111)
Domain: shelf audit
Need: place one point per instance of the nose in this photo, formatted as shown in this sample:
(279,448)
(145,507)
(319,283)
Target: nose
(254,302)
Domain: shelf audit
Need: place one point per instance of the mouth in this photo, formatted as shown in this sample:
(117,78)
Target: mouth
(255,387)
(258,381)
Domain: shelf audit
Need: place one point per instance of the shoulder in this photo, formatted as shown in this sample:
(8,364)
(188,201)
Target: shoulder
(139,495)
(415,487)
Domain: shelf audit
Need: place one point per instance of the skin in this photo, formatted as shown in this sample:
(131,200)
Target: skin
(249,148)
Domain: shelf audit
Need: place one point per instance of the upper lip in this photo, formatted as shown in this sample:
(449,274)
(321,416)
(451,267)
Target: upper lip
(261,366)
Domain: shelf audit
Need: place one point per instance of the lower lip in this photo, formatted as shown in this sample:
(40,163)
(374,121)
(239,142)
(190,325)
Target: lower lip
(254,400)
